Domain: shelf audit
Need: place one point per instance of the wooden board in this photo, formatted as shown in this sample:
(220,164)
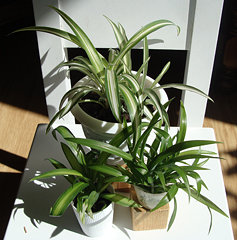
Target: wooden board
(143,219)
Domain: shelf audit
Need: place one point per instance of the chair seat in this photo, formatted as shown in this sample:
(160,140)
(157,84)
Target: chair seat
(30,214)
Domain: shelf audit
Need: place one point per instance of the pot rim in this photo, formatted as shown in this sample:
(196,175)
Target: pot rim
(104,126)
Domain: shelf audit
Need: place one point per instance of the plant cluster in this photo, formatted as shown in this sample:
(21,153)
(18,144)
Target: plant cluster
(88,186)
(155,161)
(112,80)
(162,163)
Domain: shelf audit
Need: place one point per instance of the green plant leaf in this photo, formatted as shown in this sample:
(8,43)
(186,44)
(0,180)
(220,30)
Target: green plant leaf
(185,88)
(121,200)
(183,175)
(210,226)
(195,151)
(66,198)
(57,32)
(162,179)
(140,70)
(182,125)
(127,58)
(66,133)
(107,170)
(85,42)
(93,197)
(131,102)
(117,179)
(118,35)
(52,121)
(189,156)
(112,93)
(121,38)
(132,82)
(162,73)
(138,36)
(199,181)
(88,70)
(173,215)
(101,146)
(202,199)
(72,159)
(177,148)
(76,98)
(156,102)
(168,197)
(59,172)
(145,61)
(59,165)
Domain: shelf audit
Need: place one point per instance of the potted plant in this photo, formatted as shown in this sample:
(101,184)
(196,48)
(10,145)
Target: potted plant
(110,84)
(90,193)
(158,168)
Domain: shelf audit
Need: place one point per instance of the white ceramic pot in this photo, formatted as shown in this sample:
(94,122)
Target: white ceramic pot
(146,199)
(100,224)
(101,130)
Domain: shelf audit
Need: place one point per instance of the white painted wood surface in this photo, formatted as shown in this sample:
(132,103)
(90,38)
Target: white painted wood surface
(30,214)
(199,22)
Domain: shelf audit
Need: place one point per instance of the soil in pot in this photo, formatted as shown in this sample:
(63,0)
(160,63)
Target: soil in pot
(97,111)
(105,114)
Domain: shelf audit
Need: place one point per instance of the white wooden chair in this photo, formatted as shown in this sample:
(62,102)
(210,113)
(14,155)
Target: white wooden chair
(199,33)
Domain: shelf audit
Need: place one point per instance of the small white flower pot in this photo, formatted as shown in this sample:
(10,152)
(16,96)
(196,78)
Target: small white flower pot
(146,199)
(100,224)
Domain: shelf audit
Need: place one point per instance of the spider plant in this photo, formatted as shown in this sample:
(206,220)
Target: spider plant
(163,163)
(112,79)
(88,187)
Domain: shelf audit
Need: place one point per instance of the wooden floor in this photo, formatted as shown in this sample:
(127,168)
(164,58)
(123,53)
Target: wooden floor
(22,107)
(222,116)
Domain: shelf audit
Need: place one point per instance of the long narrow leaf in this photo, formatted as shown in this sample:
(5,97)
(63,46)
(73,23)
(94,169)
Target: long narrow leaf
(172,218)
(107,170)
(138,36)
(183,124)
(156,102)
(57,32)
(112,93)
(162,73)
(183,175)
(85,42)
(59,172)
(179,147)
(59,165)
(101,146)
(66,133)
(145,61)
(202,199)
(66,198)
(130,101)
(185,88)
(127,58)
(168,197)
(121,200)
(72,159)
(53,120)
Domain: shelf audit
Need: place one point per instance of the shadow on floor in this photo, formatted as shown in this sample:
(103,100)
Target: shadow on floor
(12,160)
(9,183)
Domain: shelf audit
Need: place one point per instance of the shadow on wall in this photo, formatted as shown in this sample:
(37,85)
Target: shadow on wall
(21,80)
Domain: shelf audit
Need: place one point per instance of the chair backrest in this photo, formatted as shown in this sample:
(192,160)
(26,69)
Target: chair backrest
(199,22)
